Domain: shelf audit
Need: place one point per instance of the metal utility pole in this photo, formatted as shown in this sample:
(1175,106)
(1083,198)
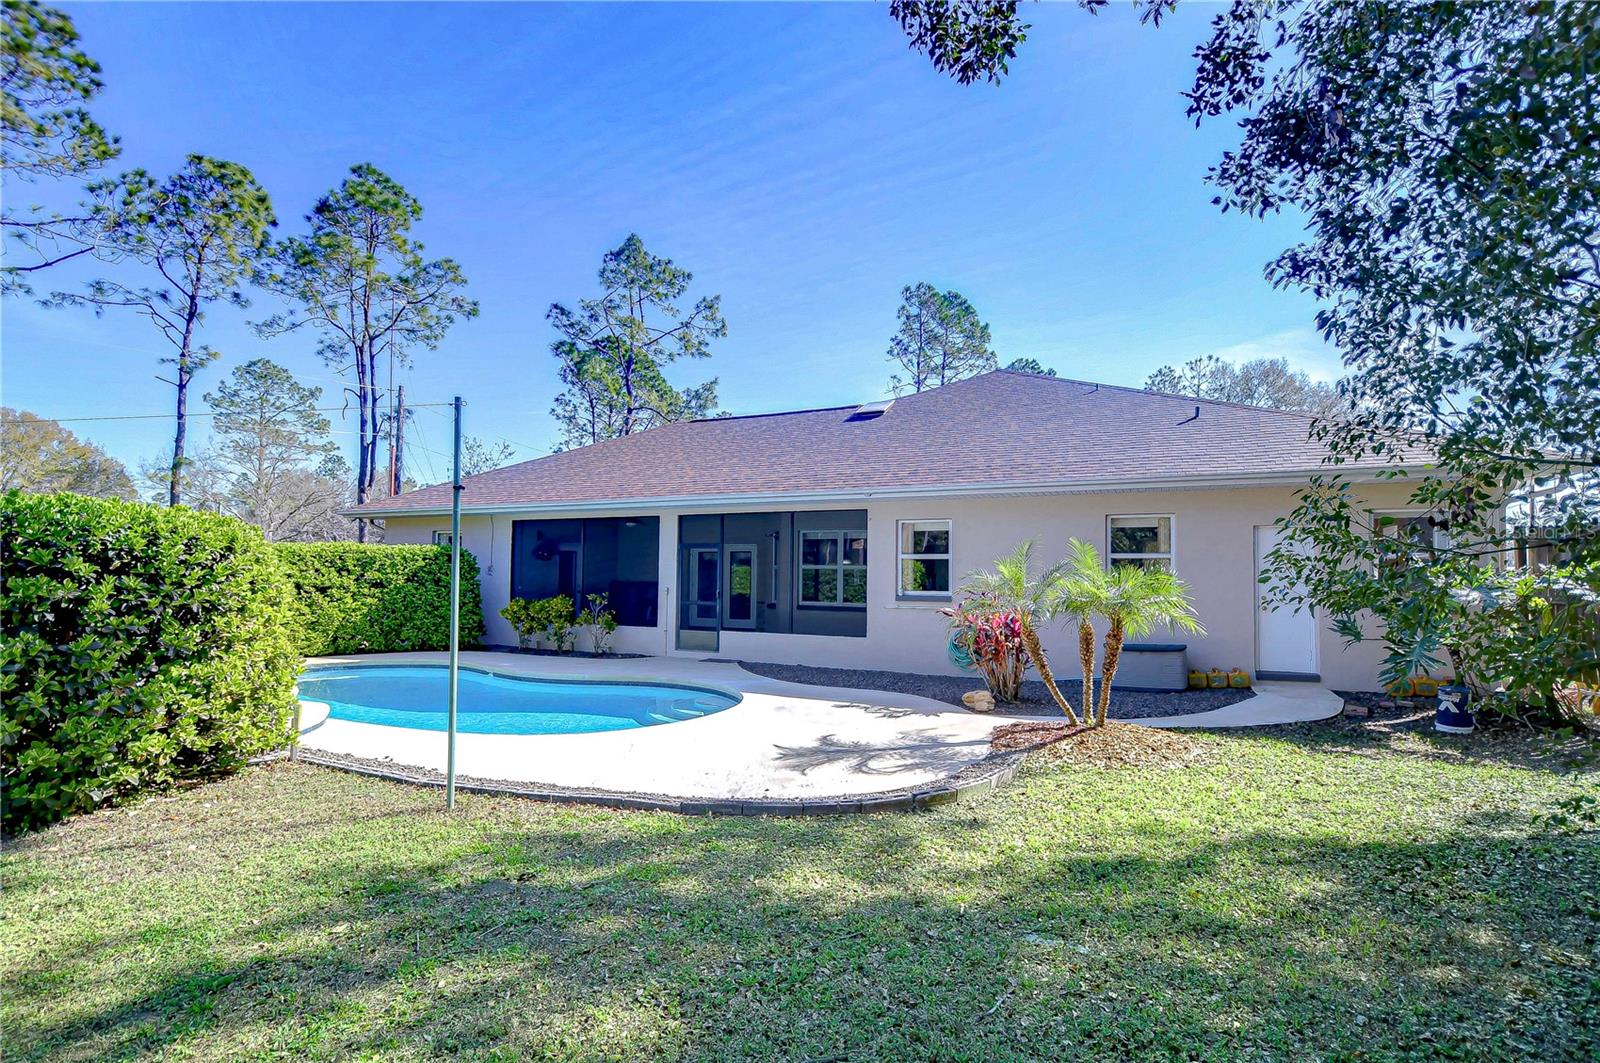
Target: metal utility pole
(455,611)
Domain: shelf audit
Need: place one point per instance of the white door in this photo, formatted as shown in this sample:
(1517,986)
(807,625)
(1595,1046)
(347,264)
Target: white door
(1286,637)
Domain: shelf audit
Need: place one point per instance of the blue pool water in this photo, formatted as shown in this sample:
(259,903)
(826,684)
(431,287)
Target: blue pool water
(416,696)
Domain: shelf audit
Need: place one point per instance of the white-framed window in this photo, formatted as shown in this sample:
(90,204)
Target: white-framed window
(1143,539)
(441,538)
(1411,525)
(833,568)
(924,562)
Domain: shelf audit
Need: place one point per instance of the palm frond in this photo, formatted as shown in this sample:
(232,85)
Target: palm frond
(1148,598)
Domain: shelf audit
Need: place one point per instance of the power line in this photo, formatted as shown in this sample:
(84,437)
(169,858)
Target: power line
(426,450)
(173,416)
(491,435)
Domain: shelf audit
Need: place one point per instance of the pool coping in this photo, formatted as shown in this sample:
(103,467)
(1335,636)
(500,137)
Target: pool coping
(972,767)
(975,780)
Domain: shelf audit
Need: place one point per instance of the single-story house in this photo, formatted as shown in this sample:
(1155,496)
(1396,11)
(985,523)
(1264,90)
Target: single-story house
(834,536)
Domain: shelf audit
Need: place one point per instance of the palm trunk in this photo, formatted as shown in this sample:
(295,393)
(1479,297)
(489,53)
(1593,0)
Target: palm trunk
(1086,659)
(1109,670)
(1031,640)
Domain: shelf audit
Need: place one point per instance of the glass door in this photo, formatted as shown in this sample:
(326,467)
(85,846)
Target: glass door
(703,601)
(741,584)
(701,607)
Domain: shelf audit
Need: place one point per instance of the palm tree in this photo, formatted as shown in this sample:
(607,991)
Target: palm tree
(1138,600)
(1083,594)
(1035,600)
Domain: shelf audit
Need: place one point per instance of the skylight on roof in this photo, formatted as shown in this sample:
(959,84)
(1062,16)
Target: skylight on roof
(868,411)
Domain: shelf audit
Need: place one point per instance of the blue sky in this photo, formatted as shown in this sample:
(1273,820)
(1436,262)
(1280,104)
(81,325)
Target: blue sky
(798,158)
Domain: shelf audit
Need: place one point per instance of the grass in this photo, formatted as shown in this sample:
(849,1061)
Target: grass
(1318,893)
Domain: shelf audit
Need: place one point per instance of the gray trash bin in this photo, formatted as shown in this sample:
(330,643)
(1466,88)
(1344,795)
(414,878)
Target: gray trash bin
(1153,666)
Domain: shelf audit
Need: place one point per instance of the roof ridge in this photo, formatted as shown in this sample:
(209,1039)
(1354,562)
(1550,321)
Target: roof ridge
(752,416)
(1151,391)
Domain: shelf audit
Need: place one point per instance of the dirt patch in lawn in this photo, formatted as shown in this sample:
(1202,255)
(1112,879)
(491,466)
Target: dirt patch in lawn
(1113,746)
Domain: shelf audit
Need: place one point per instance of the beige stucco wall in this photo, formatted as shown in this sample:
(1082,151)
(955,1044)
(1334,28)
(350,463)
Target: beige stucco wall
(1213,541)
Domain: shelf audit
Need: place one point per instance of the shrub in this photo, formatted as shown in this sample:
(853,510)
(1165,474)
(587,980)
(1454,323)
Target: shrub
(371,598)
(141,646)
(560,616)
(601,621)
(542,618)
(991,637)
(526,619)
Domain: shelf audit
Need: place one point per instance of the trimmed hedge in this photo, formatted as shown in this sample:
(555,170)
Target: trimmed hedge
(370,598)
(142,646)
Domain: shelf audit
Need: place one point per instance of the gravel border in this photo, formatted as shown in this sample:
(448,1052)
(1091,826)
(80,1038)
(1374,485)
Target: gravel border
(1036,700)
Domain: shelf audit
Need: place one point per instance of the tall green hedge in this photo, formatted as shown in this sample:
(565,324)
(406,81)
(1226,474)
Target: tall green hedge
(141,646)
(365,598)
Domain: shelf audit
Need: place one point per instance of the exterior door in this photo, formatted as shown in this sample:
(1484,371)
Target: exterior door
(1286,638)
(740,582)
(703,605)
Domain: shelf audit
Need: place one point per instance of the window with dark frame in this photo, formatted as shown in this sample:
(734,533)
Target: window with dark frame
(833,568)
(615,556)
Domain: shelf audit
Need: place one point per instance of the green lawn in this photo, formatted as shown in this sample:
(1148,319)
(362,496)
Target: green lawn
(1328,892)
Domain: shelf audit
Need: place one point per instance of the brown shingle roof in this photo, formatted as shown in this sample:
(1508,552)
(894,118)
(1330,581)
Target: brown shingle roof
(1001,430)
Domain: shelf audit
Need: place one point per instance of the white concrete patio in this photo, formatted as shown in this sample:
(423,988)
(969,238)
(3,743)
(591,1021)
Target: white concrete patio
(782,742)
(1274,703)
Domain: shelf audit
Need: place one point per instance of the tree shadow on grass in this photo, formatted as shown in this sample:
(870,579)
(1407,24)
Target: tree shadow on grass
(966,934)
(1412,735)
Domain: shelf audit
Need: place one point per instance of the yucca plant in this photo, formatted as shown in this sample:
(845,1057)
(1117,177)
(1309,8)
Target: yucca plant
(1134,600)
(1033,599)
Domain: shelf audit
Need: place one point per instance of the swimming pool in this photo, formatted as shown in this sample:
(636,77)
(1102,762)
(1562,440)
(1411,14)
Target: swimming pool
(416,696)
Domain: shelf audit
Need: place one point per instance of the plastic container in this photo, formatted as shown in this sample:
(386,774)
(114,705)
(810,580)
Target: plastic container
(1239,679)
(1198,680)
(1454,714)
(1217,679)
(1425,686)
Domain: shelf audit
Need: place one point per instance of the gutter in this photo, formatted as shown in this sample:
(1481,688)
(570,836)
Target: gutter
(864,494)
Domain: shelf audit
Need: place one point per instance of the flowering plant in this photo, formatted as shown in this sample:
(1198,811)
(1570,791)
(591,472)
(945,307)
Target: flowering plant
(991,637)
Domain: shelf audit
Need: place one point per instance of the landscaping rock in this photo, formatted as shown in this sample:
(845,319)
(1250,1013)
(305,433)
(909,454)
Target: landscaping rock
(978,700)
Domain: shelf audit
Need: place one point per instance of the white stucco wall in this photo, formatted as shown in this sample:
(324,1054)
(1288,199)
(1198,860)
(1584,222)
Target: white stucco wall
(1213,542)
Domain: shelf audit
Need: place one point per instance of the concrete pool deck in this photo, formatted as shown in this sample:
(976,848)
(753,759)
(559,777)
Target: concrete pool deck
(783,742)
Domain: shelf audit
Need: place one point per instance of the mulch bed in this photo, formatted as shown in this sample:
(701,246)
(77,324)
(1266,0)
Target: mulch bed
(1115,745)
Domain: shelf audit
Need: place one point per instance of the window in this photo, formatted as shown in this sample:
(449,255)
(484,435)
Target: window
(441,538)
(615,556)
(1140,540)
(1422,529)
(833,568)
(924,558)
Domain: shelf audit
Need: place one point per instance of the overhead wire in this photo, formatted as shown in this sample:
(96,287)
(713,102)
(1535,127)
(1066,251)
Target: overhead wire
(173,416)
